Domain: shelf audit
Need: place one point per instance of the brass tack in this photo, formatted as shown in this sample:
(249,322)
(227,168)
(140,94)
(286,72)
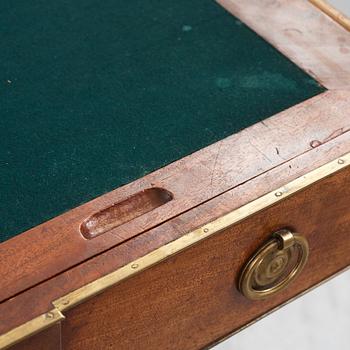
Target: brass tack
(278,194)
(206,230)
(341,161)
(65,302)
(49,315)
(134,266)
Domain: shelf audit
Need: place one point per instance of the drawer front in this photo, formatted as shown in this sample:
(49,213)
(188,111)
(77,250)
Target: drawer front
(191,299)
(48,339)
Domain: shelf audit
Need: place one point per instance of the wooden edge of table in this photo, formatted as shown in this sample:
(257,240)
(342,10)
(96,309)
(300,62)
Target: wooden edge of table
(303,33)
(154,256)
(332,12)
(310,39)
(57,245)
(221,223)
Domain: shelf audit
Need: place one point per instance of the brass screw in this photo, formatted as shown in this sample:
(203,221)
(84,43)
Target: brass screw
(134,266)
(278,194)
(341,161)
(50,315)
(206,230)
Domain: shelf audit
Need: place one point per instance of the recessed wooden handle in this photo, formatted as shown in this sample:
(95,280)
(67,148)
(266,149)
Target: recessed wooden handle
(124,211)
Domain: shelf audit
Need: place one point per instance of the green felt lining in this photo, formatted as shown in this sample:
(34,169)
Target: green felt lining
(95,94)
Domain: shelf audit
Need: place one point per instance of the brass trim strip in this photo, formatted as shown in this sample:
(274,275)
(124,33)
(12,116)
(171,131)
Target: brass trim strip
(98,286)
(80,295)
(330,11)
(30,328)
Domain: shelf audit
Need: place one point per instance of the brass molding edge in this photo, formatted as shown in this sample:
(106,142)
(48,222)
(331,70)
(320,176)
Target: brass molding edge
(91,289)
(332,12)
(30,328)
(98,286)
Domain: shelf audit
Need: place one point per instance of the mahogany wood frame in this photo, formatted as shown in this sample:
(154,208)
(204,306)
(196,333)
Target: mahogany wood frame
(222,177)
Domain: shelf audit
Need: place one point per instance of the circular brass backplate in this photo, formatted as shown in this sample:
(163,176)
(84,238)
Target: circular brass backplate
(277,263)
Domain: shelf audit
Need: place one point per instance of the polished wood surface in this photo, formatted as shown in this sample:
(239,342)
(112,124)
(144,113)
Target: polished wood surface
(38,299)
(221,178)
(191,300)
(302,32)
(58,245)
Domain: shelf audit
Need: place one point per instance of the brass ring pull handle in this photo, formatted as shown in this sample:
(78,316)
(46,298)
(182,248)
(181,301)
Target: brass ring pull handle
(274,265)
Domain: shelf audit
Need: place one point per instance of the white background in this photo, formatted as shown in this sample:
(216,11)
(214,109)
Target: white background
(341,5)
(319,320)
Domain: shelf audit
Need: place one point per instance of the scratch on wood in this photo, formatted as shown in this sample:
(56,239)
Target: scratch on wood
(215,163)
(335,134)
(262,153)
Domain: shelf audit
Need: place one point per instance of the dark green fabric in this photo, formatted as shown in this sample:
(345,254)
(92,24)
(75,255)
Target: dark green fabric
(95,94)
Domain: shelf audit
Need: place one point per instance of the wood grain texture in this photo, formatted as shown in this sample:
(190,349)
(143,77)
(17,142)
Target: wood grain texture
(303,33)
(57,245)
(39,299)
(191,299)
(53,259)
(49,339)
